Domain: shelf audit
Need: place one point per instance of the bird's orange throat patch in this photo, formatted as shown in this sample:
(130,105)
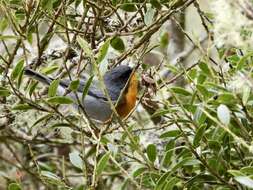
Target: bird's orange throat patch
(130,98)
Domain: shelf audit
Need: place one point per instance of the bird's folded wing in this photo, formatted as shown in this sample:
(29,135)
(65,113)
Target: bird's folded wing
(93,90)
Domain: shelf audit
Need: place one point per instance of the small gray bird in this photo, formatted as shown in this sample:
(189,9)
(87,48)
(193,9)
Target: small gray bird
(95,103)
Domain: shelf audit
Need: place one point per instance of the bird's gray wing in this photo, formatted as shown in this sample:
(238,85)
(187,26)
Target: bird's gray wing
(95,102)
(93,91)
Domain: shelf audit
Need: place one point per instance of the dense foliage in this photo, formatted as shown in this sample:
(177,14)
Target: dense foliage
(192,125)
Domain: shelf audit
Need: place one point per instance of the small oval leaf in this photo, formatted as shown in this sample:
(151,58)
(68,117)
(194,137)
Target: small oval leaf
(167,158)
(181,91)
(14,186)
(171,133)
(86,48)
(51,178)
(17,70)
(4,91)
(156,4)
(139,171)
(52,90)
(223,114)
(87,86)
(76,160)
(205,68)
(148,17)
(245,180)
(60,100)
(151,152)
(102,163)
(103,51)
(74,85)
(128,7)
(199,134)
(22,107)
(117,44)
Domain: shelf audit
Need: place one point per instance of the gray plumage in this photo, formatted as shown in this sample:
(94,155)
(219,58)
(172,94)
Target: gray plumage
(95,103)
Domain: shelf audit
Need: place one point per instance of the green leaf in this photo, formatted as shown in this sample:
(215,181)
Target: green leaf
(32,87)
(14,186)
(151,152)
(29,37)
(102,163)
(52,90)
(192,162)
(86,48)
(114,2)
(77,2)
(8,37)
(245,180)
(170,145)
(154,176)
(201,79)
(15,2)
(51,178)
(172,68)
(49,70)
(45,117)
(235,173)
(46,166)
(87,86)
(243,60)
(3,24)
(20,78)
(22,107)
(200,178)
(56,4)
(171,133)
(192,73)
(139,171)
(245,94)
(164,40)
(76,160)
(226,98)
(128,7)
(74,85)
(223,114)
(248,170)
(17,70)
(47,5)
(162,181)
(185,161)
(199,134)
(4,91)
(161,113)
(199,115)
(205,68)
(202,89)
(60,100)
(148,17)
(156,4)
(214,145)
(117,44)
(233,59)
(167,158)
(103,51)
(181,91)
(171,183)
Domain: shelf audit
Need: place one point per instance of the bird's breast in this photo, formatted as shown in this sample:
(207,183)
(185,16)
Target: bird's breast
(130,97)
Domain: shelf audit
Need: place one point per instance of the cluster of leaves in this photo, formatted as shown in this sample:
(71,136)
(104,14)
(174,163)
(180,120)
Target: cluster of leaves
(202,142)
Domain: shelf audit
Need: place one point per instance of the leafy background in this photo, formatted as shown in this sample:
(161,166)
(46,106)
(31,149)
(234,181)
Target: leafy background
(192,125)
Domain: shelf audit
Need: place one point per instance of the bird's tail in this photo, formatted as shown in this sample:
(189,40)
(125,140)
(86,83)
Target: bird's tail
(37,76)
